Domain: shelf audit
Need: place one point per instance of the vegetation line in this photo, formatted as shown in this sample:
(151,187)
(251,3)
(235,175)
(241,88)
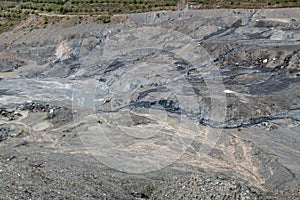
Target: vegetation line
(12,12)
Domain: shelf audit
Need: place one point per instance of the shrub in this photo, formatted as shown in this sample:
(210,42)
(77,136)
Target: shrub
(49,9)
(104,18)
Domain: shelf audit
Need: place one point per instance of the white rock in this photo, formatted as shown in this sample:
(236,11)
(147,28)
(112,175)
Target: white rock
(62,51)
(265,61)
(229,92)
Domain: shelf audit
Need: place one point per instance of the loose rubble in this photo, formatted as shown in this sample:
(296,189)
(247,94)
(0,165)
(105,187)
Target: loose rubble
(150,101)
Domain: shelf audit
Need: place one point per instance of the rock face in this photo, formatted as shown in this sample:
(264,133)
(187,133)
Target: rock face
(169,105)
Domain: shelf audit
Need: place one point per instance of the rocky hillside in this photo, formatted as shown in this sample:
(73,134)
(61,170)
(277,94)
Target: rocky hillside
(166,105)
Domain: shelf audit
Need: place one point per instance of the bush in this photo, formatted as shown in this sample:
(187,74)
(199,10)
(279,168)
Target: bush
(49,9)
(104,18)
(63,10)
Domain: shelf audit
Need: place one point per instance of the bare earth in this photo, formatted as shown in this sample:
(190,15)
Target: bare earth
(168,105)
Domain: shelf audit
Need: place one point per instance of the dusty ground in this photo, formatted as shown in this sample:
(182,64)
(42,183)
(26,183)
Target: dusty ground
(169,105)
